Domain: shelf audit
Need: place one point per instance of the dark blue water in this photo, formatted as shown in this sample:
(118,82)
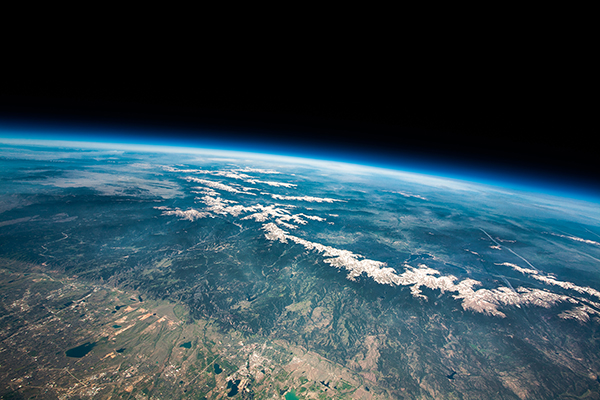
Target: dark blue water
(218,369)
(233,387)
(80,351)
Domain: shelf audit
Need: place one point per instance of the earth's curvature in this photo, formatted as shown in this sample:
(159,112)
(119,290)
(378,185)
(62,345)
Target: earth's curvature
(133,272)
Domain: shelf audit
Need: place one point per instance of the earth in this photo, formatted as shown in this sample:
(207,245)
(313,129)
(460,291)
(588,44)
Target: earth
(139,272)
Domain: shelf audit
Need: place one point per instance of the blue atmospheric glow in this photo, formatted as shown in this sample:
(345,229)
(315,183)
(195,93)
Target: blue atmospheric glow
(243,143)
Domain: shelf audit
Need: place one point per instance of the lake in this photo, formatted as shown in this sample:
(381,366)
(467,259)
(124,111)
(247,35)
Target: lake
(80,351)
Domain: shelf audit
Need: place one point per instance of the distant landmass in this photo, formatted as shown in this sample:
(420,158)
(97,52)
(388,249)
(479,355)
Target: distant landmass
(159,273)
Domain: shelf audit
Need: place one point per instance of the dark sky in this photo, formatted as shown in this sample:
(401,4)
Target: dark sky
(521,124)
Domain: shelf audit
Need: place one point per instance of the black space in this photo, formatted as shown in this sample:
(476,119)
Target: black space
(513,124)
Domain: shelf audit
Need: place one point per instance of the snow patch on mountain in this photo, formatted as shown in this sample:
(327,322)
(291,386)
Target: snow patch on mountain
(485,301)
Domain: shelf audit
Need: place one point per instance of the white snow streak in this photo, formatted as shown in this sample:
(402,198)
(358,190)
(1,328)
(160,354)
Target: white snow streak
(486,301)
(577,239)
(189,214)
(550,280)
(306,198)
(220,186)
